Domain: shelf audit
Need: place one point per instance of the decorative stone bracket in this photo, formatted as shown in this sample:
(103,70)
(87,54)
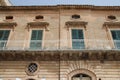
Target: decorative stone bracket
(71,55)
(8,25)
(106,25)
(76,23)
(38,25)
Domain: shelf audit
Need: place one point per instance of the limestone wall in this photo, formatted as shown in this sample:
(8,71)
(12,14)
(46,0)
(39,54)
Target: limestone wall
(93,33)
(109,70)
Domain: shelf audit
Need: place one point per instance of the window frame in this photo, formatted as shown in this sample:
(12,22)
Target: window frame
(10,34)
(34,73)
(84,36)
(43,35)
(111,38)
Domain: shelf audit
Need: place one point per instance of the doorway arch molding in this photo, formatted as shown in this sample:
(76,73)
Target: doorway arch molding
(82,71)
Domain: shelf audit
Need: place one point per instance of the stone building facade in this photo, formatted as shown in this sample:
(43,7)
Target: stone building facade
(62,42)
(5,3)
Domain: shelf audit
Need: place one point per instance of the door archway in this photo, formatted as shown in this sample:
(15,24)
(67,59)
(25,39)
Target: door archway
(81,77)
(81,74)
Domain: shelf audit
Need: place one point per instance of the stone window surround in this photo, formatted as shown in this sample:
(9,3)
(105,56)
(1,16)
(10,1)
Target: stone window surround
(29,73)
(108,26)
(76,25)
(29,36)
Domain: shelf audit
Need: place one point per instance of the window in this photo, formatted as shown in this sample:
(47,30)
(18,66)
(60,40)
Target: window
(9,17)
(39,17)
(75,16)
(36,39)
(111,17)
(32,69)
(116,38)
(4,34)
(77,39)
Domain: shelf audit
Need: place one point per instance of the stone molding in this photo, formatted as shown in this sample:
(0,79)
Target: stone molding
(83,71)
(59,7)
(8,25)
(100,55)
(111,24)
(76,24)
(38,25)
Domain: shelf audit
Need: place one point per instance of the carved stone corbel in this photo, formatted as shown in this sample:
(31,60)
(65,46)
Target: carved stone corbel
(11,25)
(69,24)
(38,25)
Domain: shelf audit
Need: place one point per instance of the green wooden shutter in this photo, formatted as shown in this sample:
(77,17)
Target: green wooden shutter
(1,34)
(36,39)
(116,38)
(4,34)
(77,39)
(114,35)
(36,35)
(77,34)
(118,34)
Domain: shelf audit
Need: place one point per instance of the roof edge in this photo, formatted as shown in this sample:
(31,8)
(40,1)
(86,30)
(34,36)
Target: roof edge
(51,7)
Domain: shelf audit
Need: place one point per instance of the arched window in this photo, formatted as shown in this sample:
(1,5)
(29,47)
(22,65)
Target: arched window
(39,17)
(75,16)
(81,77)
(111,17)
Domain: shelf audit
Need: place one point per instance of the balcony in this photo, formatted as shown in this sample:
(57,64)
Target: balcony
(86,44)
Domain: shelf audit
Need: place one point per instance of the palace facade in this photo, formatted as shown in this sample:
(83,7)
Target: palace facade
(61,42)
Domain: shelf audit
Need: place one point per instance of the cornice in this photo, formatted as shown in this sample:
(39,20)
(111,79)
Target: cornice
(57,7)
(101,55)
(111,24)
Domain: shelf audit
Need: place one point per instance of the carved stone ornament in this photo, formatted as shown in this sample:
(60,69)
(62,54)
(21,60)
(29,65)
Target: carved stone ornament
(32,68)
(8,25)
(76,23)
(38,25)
(111,24)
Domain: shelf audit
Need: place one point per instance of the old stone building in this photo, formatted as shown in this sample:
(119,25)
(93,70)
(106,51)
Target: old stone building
(62,42)
(5,3)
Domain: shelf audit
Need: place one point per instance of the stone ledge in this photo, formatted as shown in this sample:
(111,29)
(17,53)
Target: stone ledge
(57,7)
(102,55)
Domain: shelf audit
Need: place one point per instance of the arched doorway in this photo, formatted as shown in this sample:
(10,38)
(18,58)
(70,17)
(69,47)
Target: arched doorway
(81,77)
(81,74)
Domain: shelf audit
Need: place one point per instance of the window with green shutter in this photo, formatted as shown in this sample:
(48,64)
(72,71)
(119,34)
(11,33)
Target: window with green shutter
(36,39)
(77,39)
(4,34)
(116,38)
